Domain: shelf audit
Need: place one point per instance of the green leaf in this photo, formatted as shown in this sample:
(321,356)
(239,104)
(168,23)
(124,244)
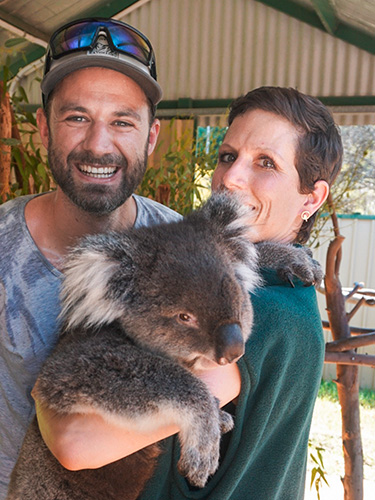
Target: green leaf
(324,479)
(31,143)
(23,95)
(12,42)
(10,141)
(5,77)
(41,169)
(313,474)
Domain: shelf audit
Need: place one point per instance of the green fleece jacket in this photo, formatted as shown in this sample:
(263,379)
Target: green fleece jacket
(281,372)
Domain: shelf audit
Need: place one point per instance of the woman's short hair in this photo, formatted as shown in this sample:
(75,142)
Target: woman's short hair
(319,150)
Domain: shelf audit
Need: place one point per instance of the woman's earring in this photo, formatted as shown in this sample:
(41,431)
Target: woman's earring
(305,215)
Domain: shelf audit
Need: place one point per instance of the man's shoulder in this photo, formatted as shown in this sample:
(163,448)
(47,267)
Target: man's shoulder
(13,205)
(13,230)
(12,214)
(151,212)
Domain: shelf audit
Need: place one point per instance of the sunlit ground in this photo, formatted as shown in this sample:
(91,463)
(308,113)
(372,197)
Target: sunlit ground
(326,433)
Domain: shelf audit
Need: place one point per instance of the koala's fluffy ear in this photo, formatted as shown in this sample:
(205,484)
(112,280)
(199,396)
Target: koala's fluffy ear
(229,215)
(90,267)
(230,223)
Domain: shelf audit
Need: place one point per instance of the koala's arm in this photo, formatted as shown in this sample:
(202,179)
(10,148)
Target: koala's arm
(289,260)
(86,440)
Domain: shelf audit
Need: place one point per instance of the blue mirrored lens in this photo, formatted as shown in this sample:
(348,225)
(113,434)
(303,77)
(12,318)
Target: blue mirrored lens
(82,35)
(79,36)
(129,43)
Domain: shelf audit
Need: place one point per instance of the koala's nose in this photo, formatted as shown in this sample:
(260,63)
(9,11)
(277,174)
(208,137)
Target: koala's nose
(229,343)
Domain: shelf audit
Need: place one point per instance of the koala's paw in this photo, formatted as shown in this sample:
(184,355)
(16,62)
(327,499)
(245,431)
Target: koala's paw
(289,261)
(311,274)
(226,422)
(200,448)
(197,467)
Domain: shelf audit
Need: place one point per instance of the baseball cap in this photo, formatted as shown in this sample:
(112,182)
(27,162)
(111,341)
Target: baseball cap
(100,42)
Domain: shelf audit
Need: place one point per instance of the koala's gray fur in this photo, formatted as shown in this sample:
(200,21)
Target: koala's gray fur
(290,260)
(141,310)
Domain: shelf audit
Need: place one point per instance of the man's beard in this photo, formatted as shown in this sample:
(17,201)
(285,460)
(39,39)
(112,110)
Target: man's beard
(94,198)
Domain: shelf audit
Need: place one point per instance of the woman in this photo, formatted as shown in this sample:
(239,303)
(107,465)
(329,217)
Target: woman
(282,151)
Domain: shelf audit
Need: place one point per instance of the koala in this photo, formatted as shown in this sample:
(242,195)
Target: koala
(142,310)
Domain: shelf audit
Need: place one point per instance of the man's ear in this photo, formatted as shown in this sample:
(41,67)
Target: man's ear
(41,120)
(316,198)
(153,136)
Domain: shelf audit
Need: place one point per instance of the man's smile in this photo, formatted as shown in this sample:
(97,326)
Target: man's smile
(97,172)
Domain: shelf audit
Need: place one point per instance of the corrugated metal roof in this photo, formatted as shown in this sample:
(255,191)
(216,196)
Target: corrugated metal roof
(218,49)
(357,13)
(214,50)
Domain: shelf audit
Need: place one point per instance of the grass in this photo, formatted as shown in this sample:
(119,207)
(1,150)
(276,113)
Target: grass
(328,391)
(326,435)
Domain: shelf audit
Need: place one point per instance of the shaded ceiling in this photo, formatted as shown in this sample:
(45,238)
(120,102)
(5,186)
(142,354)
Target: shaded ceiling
(350,20)
(211,51)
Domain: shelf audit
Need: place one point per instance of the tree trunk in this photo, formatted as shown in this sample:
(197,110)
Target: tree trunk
(5,150)
(348,387)
(347,376)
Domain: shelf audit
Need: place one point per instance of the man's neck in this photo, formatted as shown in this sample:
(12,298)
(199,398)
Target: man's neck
(56,224)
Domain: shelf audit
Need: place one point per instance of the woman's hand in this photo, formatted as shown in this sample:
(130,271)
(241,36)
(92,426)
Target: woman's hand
(88,441)
(224,382)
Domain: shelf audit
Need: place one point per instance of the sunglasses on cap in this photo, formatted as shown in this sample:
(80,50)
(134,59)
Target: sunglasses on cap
(82,35)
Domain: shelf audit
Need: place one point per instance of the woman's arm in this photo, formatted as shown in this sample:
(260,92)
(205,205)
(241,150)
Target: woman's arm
(87,441)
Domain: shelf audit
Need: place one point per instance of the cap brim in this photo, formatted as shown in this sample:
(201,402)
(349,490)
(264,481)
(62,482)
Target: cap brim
(127,65)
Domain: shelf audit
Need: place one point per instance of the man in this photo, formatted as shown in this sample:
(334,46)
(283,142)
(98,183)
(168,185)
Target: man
(98,124)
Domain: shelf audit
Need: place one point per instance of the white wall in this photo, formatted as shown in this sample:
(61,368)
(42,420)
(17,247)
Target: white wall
(358,265)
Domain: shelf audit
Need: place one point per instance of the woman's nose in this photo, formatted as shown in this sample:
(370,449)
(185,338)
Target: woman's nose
(237,176)
(98,139)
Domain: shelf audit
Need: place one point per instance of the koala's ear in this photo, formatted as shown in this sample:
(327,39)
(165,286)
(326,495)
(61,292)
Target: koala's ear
(87,297)
(230,222)
(227,216)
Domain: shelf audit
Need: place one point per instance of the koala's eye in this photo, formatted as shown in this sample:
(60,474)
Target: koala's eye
(185,318)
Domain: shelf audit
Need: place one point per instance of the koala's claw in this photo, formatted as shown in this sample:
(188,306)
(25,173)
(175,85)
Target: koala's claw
(311,283)
(289,261)
(288,276)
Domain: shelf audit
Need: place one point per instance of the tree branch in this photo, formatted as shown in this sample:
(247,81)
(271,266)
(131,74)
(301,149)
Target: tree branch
(354,330)
(347,358)
(350,314)
(351,343)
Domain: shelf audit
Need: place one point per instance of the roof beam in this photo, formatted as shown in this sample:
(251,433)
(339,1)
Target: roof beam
(187,103)
(343,31)
(22,29)
(327,15)
(112,8)
(186,106)
(296,10)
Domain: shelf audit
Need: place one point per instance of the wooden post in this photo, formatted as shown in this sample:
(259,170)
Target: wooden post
(5,150)
(347,376)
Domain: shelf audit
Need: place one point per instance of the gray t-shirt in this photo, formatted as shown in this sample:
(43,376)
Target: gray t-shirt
(29,307)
